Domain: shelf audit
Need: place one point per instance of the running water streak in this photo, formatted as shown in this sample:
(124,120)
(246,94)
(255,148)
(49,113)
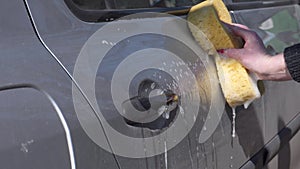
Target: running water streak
(166,156)
(233,122)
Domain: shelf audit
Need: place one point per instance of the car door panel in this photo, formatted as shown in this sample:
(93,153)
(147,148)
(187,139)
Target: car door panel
(32,133)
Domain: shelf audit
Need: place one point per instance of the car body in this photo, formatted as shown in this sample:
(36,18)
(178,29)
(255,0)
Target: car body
(43,102)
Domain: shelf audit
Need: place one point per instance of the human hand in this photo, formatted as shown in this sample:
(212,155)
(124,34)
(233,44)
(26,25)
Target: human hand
(254,57)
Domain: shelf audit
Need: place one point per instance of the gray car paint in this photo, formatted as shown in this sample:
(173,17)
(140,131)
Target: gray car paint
(32,136)
(24,60)
(189,153)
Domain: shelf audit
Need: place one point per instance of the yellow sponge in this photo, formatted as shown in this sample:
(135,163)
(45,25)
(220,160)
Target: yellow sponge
(237,85)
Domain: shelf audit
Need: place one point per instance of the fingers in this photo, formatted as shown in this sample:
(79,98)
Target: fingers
(241,26)
(237,25)
(232,53)
(242,31)
(247,35)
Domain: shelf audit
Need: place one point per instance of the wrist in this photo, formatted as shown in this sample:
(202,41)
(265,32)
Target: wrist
(275,69)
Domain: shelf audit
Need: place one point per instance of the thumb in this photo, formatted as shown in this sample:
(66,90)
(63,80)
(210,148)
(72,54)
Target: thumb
(232,53)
